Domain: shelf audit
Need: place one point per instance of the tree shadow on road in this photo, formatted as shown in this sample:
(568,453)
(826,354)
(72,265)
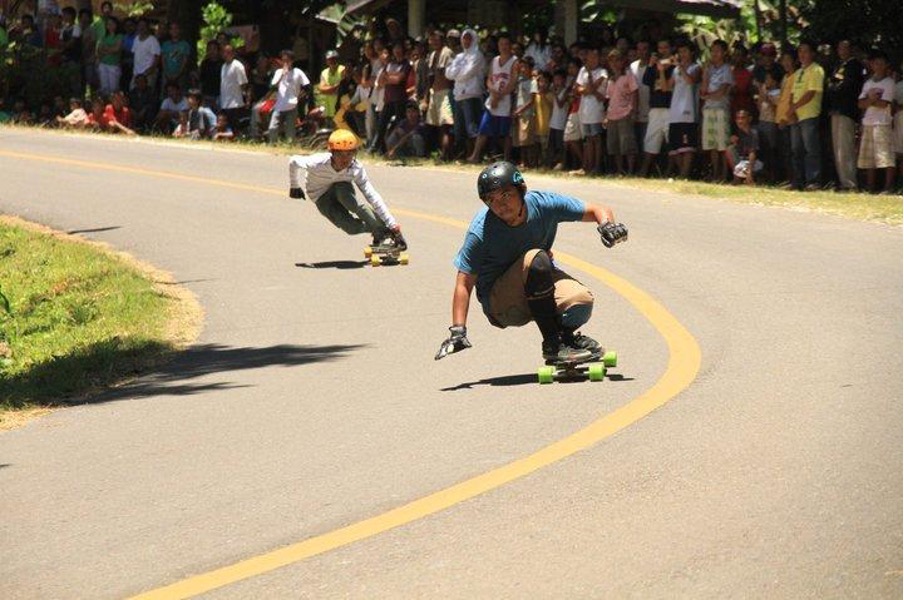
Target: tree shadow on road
(148,369)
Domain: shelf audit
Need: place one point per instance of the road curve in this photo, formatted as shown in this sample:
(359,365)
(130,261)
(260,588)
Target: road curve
(311,401)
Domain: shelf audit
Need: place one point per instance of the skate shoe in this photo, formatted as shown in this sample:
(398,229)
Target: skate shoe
(383,241)
(399,241)
(559,352)
(579,340)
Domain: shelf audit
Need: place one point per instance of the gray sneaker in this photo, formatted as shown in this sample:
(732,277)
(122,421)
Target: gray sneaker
(579,340)
(558,353)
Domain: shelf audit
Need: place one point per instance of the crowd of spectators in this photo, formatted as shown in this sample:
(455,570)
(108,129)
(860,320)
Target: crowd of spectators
(809,117)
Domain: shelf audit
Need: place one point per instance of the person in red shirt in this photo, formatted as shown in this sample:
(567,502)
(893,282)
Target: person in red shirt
(118,115)
(97,118)
(742,92)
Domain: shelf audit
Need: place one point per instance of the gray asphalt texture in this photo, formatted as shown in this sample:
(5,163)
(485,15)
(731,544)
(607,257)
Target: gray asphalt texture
(312,401)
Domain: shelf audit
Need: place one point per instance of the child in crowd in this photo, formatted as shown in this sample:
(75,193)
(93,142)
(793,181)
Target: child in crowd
(118,115)
(543,102)
(622,93)
(182,129)
(876,145)
(77,117)
(407,138)
(591,85)
(97,118)
(223,132)
(573,136)
(525,136)
(201,120)
(561,99)
(768,93)
(328,180)
(741,154)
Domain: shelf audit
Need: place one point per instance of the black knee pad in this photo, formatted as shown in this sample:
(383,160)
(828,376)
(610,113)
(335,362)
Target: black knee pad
(539,283)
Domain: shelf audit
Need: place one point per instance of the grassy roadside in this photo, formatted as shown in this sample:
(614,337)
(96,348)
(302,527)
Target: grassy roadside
(80,318)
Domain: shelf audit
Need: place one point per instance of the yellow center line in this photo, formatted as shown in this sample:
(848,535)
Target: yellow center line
(683,366)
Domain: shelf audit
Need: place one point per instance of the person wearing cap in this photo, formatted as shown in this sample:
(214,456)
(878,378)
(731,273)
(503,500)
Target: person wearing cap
(453,40)
(328,181)
(507,256)
(329,83)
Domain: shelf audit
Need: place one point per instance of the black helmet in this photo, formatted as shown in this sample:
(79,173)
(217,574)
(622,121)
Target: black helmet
(497,176)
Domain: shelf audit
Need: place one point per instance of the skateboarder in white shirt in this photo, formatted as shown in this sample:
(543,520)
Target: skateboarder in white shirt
(328,180)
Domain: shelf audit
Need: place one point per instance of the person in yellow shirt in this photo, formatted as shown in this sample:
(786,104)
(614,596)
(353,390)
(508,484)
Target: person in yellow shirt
(806,104)
(543,100)
(328,89)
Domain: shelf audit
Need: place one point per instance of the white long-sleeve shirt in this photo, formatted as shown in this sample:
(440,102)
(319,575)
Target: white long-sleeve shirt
(320,175)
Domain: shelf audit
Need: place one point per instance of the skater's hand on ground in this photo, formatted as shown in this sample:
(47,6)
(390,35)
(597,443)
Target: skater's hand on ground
(296,192)
(458,340)
(612,233)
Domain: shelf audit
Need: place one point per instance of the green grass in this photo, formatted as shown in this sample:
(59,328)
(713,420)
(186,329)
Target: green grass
(79,318)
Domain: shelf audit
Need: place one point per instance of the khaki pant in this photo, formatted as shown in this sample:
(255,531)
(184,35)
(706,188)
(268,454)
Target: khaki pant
(845,151)
(508,302)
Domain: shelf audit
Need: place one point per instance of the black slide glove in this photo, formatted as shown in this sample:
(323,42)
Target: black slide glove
(612,233)
(458,340)
(297,193)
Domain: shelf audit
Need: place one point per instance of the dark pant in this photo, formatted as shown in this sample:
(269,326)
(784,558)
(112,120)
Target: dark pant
(341,206)
(390,110)
(806,154)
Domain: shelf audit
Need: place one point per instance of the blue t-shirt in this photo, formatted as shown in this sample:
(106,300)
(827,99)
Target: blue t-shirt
(491,246)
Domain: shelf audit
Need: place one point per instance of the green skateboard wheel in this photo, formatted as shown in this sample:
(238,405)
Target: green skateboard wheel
(596,371)
(368,251)
(610,359)
(375,260)
(546,374)
(403,259)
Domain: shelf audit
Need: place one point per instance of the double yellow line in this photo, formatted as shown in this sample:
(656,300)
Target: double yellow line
(683,366)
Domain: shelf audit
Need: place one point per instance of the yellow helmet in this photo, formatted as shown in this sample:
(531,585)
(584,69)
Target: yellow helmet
(343,139)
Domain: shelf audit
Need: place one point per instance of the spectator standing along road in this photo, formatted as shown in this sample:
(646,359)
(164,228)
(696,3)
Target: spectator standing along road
(842,93)
(233,87)
(806,106)
(289,83)
(467,70)
(146,55)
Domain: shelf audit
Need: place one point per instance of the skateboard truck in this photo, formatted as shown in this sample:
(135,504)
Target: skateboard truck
(594,369)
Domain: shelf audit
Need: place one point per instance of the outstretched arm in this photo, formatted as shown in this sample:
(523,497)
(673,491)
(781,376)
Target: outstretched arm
(461,297)
(596,213)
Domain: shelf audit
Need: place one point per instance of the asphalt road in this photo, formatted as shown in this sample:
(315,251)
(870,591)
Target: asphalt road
(312,401)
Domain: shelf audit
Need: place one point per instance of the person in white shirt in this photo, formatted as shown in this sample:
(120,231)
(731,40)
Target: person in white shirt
(328,181)
(146,55)
(683,127)
(497,118)
(289,83)
(233,87)
(591,85)
(468,71)
(876,146)
(715,91)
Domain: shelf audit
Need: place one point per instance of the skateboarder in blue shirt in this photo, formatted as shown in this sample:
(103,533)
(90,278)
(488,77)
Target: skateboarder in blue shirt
(507,256)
